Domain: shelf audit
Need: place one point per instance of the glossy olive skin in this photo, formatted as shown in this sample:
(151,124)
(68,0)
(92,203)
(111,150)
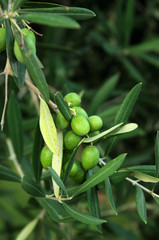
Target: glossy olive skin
(95,122)
(73,99)
(80,175)
(46,157)
(71,140)
(90,157)
(29,36)
(74,169)
(80,125)
(61,122)
(80,111)
(2,39)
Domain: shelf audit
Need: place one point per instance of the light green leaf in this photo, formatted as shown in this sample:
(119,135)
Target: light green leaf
(47,127)
(157,154)
(144,177)
(57,162)
(101,135)
(50,19)
(27,230)
(82,217)
(103,93)
(101,174)
(141,204)
(125,129)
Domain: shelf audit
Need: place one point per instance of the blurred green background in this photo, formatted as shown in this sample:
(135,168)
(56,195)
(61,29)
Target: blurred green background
(122,39)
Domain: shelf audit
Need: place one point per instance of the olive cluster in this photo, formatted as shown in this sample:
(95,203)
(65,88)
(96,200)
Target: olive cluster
(78,127)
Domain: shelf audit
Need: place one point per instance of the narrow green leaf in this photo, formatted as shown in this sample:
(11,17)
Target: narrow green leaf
(82,217)
(15,125)
(37,147)
(109,113)
(150,58)
(148,169)
(93,203)
(18,3)
(128,20)
(58,180)
(63,106)
(157,154)
(47,127)
(50,19)
(4,4)
(32,65)
(119,20)
(144,177)
(54,209)
(8,175)
(101,135)
(101,174)
(103,93)
(33,4)
(125,111)
(32,187)
(119,176)
(125,129)
(73,12)
(2,19)
(156,200)
(27,230)
(108,191)
(141,204)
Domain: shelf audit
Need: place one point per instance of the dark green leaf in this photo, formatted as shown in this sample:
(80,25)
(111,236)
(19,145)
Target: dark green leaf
(15,125)
(125,111)
(8,175)
(27,167)
(4,4)
(73,12)
(41,5)
(32,187)
(63,106)
(2,19)
(57,179)
(21,71)
(128,20)
(103,93)
(54,209)
(157,154)
(82,217)
(148,169)
(37,147)
(156,200)
(119,20)
(93,203)
(108,190)
(141,204)
(18,3)
(50,19)
(119,176)
(33,66)
(101,174)
(143,176)
(149,58)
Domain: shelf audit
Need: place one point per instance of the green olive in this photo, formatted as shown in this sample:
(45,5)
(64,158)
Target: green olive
(61,122)
(46,157)
(71,140)
(95,123)
(2,39)
(73,99)
(93,134)
(80,175)
(80,111)
(80,125)
(31,41)
(90,157)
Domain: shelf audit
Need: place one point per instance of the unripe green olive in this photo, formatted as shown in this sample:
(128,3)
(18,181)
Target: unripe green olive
(73,99)
(90,157)
(80,175)
(31,41)
(61,122)
(74,168)
(80,111)
(80,125)
(2,39)
(71,140)
(46,157)
(95,123)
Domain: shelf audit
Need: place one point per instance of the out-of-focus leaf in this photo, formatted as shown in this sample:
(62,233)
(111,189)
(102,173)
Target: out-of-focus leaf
(47,127)
(63,106)
(18,3)
(27,167)
(27,230)
(32,187)
(82,217)
(119,176)
(32,65)
(37,147)
(73,12)
(132,69)
(50,19)
(125,111)
(141,204)
(149,58)
(103,93)
(148,169)
(119,20)
(156,200)
(101,174)
(108,191)
(109,113)
(101,135)
(55,210)
(4,4)
(157,154)
(128,20)
(93,203)
(15,125)
(57,162)
(8,175)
